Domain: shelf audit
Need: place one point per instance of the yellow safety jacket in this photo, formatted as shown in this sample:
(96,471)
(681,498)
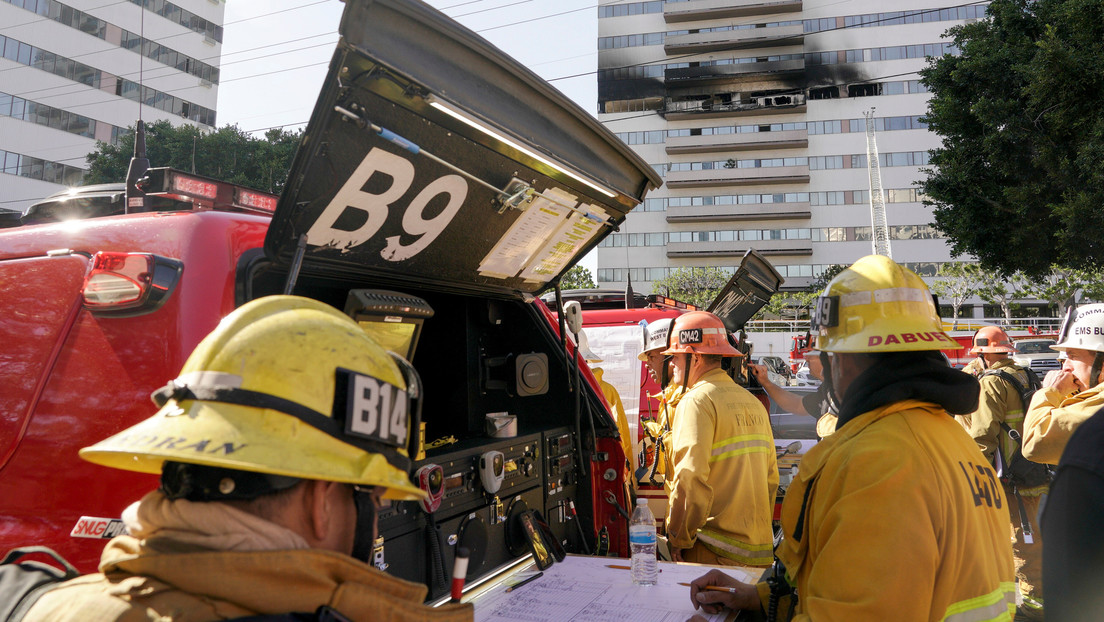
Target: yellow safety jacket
(998,403)
(661,429)
(897,516)
(725,476)
(137,584)
(1052,419)
(973,368)
(618,410)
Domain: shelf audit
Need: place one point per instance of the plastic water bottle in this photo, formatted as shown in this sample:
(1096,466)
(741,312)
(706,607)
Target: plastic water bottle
(642,541)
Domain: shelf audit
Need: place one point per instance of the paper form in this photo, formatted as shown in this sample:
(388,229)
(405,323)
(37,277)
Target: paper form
(618,347)
(565,244)
(527,235)
(583,589)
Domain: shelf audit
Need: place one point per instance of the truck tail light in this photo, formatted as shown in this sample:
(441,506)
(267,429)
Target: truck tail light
(126,284)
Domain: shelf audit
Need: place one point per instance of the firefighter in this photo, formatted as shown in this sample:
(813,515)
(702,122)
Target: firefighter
(658,364)
(814,404)
(613,398)
(276,443)
(1000,411)
(1069,395)
(725,476)
(896,516)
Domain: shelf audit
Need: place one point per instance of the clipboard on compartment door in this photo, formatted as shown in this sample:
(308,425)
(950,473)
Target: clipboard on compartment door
(545,239)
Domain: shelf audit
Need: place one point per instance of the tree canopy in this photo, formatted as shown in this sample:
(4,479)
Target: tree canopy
(1017,181)
(227,154)
(578,277)
(697,286)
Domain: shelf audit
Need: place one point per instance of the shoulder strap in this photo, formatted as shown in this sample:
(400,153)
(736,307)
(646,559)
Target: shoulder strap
(14,555)
(1011,379)
(22,583)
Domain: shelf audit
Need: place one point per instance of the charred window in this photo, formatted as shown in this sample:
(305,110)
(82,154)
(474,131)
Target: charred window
(864,90)
(824,92)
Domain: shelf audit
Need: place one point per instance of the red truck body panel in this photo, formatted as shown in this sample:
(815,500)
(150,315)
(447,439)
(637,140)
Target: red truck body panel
(72,377)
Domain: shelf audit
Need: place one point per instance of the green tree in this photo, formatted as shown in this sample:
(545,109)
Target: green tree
(820,283)
(1017,181)
(957,281)
(698,286)
(226,154)
(578,277)
(996,290)
(1060,287)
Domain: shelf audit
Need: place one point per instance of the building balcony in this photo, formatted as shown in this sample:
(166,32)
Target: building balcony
(726,143)
(738,177)
(733,213)
(771,71)
(701,42)
(674,12)
(683,110)
(739,247)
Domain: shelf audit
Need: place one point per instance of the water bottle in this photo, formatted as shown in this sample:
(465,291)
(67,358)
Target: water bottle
(642,541)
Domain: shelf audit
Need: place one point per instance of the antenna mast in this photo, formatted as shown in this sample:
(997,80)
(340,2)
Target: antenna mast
(879,228)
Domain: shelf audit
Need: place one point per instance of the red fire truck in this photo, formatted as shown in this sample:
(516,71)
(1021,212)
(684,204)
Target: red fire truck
(439,187)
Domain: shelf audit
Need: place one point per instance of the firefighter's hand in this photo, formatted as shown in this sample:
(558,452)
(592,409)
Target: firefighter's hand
(1063,381)
(711,601)
(676,554)
(760,373)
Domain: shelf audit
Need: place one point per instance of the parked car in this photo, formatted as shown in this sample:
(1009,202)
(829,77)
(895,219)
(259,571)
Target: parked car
(804,378)
(1036,354)
(778,371)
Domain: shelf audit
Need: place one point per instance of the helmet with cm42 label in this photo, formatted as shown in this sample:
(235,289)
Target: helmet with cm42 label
(285,388)
(699,332)
(877,305)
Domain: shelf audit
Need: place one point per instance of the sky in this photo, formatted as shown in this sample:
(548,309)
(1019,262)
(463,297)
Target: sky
(275,53)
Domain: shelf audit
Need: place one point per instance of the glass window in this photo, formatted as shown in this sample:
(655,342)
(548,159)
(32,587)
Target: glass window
(17,108)
(11,163)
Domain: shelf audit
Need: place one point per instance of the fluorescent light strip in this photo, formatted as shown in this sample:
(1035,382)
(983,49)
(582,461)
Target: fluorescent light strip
(456,114)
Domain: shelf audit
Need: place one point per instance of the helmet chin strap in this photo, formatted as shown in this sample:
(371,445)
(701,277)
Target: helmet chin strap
(834,400)
(1098,364)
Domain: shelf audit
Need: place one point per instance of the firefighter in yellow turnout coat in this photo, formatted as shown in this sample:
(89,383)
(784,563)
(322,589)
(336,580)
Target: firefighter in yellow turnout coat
(268,523)
(1000,404)
(897,516)
(1069,395)
(725,476)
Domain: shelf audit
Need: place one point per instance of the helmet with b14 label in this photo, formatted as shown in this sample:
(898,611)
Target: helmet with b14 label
(877,305)
(285,388)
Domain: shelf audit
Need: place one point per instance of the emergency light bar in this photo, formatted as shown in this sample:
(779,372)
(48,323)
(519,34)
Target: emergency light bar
(656,299)
(205,192)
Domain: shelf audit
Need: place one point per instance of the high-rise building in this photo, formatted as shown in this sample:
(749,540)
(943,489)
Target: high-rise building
(74,72)
(753,113)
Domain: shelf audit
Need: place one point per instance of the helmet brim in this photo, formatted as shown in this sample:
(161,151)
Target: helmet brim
(246,438)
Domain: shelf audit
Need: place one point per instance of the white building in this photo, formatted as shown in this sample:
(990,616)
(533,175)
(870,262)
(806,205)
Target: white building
(70,74)
(752,110)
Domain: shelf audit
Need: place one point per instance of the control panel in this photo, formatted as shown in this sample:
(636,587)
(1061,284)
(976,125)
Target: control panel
(482,484)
